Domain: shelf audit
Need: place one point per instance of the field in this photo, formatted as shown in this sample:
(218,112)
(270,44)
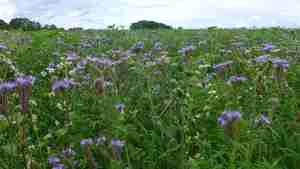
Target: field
(166,99)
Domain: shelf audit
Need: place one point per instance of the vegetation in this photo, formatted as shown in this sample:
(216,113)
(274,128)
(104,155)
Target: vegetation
(148,25)
(164,99)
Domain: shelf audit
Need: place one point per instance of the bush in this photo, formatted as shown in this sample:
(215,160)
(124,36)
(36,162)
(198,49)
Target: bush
(149,25)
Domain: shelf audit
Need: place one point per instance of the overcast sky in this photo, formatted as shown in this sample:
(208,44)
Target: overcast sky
(185,13)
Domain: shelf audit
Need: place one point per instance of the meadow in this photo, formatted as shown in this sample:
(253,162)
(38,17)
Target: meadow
(162,99)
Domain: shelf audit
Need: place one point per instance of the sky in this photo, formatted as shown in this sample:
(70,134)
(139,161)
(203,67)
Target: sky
(185,13)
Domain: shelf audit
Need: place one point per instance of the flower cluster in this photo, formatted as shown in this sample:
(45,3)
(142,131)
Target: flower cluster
(60,85)
(228,117)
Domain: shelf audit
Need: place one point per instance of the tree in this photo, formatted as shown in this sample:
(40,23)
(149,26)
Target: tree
(3,24)
(50,27)
(24,24)
(144,24)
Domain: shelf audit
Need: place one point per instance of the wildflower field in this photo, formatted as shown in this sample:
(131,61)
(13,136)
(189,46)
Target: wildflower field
(166,99)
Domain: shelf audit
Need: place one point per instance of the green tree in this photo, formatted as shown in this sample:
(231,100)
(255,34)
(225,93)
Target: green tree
(144,24)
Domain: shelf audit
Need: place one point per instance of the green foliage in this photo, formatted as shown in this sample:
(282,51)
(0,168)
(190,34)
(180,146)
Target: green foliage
(171,102)
(148,25)
(24,24)
(3,24)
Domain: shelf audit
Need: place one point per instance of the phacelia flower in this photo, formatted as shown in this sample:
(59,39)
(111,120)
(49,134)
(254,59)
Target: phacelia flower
(72,56)
(262,59)
(117,147)
(267,47)
(25,81)
(234,79)
(138,46)
(24,84)
(60,85)
(280,63)
(58,166)
(263,119)
(157,46)
(7,87)
(186,50)
(68,152)
(222,66)
(3,47)
(53,160)
(120,107)
(228,117)
(85,142)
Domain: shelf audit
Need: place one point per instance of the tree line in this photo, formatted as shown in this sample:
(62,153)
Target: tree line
(26,24)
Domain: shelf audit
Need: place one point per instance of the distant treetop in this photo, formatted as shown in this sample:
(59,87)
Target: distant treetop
(144,24)
(3,24)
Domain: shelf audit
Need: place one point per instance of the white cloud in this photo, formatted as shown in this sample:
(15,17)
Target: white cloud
(187,13)
(7,9)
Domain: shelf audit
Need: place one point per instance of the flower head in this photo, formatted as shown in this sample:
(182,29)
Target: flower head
(228,117)
(62,85)
(72,56)
(53,160)
(120,107)
(58,166)
(3,47)
(157,46)
(280,63)
(234,79)
(222,66)
(186,50)
(88,141)
(262,59)
(117,143)
(263,119)
(117,147)
(267,47)
(7,87)
(68,152)
(25,81)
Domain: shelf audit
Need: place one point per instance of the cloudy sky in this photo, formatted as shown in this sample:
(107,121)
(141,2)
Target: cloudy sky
(185,13)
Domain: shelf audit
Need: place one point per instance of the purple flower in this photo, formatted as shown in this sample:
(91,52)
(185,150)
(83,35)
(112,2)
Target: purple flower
(280,63)
(263,119)
(157,46)
(120,107)
(53,160)
(139,45)
(117,143)
(25,81)
(68,152)
(58,166)
(62,85)
(228,117)
(51,66)
(71,56)
(3,47)
(262,59)
(267,47)
(24,84)
(101,62)
(7,87)
(186,50)
(234,79)
(88,141)
(117,147)
(222,66)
